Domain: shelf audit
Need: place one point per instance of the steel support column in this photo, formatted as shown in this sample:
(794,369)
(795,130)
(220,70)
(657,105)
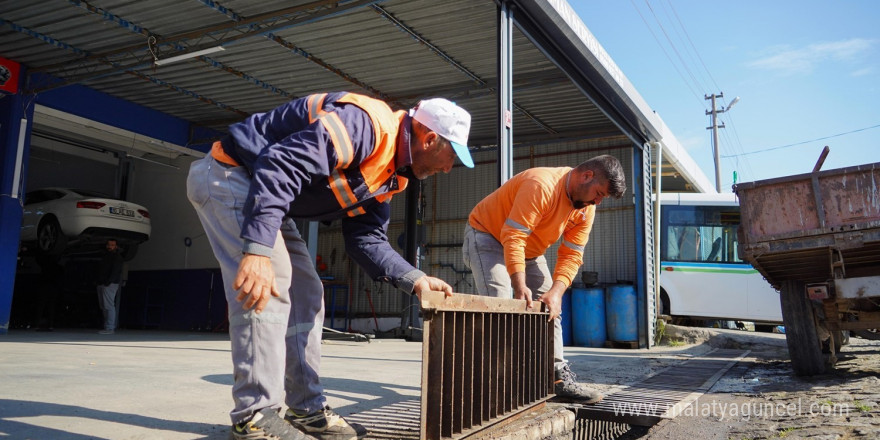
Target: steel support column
(505,92)
(16,119)
(410,319)
(644,283)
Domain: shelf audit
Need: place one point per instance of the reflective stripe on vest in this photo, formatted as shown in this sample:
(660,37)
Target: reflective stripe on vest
(316,106)
(380,164)
(344,156)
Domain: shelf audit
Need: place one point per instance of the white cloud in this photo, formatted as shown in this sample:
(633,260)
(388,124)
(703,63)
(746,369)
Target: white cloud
(788,60)
(863,72)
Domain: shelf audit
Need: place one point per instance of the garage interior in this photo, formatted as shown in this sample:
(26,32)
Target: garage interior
(121,96)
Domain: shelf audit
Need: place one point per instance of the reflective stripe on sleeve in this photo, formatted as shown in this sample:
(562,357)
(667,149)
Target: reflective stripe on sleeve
(518,226)
(573,246)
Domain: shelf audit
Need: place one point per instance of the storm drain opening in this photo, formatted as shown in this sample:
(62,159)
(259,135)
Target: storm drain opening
(663,395)
(589,429)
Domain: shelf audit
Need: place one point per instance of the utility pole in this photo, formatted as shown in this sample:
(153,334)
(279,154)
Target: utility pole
(715,150)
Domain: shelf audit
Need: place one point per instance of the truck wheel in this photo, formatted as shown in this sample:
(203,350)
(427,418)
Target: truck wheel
(868,334)
(804,346)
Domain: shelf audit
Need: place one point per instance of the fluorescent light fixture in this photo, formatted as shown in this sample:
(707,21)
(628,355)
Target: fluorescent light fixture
(189,55)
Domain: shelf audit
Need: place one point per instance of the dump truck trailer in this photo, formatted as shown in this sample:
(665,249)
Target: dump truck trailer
(816,238)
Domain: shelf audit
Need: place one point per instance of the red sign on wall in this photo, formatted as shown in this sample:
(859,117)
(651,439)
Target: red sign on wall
(8,76)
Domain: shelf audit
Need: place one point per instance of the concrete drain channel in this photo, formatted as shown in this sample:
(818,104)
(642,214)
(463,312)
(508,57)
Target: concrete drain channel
(663,395)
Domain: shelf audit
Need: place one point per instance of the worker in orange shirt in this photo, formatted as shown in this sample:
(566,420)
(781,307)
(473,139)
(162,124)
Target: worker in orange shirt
(509,231)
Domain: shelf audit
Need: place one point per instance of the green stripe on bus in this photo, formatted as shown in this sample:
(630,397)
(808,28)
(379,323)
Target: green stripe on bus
(681,269)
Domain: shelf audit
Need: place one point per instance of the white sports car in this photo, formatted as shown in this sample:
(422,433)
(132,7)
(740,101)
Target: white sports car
(59,219)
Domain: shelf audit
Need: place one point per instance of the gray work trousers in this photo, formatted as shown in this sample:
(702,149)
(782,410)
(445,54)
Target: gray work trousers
(484,256)
(107,301)
(276,354)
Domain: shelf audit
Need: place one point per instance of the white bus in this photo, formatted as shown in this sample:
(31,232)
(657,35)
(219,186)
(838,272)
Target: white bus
(700,273)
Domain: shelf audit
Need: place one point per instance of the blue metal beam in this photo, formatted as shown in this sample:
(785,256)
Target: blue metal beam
(16,119)
(108,16)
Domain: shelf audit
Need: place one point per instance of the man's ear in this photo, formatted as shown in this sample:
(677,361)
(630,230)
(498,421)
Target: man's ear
(588,176)
(431,139)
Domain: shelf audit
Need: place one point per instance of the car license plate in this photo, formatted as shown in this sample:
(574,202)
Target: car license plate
(122,211)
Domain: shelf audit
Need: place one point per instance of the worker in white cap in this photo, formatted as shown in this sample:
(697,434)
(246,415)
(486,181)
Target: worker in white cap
(322,157)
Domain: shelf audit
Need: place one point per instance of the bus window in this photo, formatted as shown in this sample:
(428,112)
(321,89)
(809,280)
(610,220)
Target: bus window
(701,233)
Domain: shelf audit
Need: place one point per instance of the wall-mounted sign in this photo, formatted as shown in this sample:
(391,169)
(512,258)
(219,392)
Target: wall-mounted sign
(8,76)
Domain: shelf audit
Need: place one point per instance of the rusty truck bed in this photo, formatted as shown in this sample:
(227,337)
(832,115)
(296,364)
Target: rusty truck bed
(790,225)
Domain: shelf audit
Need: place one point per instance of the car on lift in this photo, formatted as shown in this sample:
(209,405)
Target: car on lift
(63,221)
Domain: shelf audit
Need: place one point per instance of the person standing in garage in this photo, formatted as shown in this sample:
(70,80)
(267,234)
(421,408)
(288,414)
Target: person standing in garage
(109,277)
(509,231)
(322,157)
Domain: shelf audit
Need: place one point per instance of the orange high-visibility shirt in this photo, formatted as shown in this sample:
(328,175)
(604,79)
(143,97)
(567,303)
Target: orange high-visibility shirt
(529,213)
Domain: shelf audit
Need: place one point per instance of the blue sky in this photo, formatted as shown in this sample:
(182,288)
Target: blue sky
(804,70)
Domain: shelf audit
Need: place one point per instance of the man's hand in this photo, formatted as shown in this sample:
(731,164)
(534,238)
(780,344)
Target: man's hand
(427,284)
(553,299)
(255,281)
(520,290)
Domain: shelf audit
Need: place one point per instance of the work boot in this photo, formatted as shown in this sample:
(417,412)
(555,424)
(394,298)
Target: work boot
(267,425)
(325,424)
(567,387)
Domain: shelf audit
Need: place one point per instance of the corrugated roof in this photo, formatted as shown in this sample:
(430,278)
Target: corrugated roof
(398,50)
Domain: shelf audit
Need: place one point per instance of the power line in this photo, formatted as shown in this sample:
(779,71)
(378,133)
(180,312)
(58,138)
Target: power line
(804,142)
(672,45)
(694,47)
(674,65)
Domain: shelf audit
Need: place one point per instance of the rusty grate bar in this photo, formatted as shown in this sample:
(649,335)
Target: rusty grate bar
(483,360)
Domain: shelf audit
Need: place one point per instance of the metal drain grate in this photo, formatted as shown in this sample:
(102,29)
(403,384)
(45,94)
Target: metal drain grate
(665,394)
(399,421)
(586,429)
(483,360)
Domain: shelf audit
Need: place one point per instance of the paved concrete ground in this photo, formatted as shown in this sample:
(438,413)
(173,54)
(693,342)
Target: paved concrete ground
(146,385)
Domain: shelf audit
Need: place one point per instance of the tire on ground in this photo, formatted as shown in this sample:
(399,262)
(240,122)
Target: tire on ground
(804,346)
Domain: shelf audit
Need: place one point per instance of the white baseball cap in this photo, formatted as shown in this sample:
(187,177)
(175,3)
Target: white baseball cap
(449,121)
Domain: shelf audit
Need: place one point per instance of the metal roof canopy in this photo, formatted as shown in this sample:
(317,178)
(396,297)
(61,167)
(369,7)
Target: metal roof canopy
(277,50)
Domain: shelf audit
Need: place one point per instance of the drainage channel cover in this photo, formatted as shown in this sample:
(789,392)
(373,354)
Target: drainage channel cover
(665,394)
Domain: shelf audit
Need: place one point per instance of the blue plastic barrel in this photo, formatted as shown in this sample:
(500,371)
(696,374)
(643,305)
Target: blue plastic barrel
(588,317)
(621,313)
(566,319)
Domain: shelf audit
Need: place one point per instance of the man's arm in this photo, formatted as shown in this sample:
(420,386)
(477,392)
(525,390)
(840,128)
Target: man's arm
(366,242)
(553,298)
(570,255)
(525,214)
